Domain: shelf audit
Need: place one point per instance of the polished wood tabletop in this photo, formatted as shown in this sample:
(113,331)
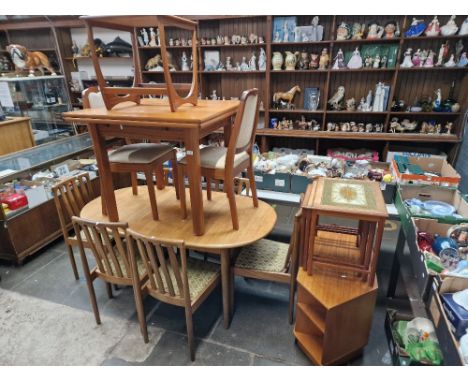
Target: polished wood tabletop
(155,111)
(219,237)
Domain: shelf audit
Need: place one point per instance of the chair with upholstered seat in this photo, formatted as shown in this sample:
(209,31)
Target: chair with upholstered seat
(113,266)
(224,163)
(134,157)
(173,278)
(272,261)
(70,196)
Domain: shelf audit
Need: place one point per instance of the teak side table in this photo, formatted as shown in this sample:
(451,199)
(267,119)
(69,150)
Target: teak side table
(342,248)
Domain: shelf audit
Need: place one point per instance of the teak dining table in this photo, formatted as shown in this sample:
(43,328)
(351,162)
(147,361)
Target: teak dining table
(152,119)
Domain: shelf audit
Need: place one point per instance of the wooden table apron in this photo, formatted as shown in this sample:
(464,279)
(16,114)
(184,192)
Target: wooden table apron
(188,133)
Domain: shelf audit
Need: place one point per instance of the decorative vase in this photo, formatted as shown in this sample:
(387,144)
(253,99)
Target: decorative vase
(277,61)
(290,61)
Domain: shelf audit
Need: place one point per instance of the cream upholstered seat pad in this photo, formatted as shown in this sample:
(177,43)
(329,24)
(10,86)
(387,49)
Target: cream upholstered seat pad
(200,275)
(143,153)
(264,255)
(215,157)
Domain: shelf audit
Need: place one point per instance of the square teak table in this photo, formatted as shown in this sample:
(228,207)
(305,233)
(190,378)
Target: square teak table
(343,248)
(153,119)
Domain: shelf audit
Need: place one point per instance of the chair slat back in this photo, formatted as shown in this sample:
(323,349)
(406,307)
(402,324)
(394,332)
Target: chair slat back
(105,241)
(70,196)
(165,264)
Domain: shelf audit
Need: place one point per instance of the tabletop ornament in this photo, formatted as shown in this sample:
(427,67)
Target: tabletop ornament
(433,28)
(75,49)
(443,53)
(324,59)
(407,61)
(284,100)
(314,61)
(277,61)
(391,29)
(355,62)
(416,60)
(357,31)
(336,102)
(464,28)
(253,62)
(262,60)
(343,32)
(451,62)
(463,61)
(144,35)
(317,30)
(303,61)
(450,28)
(184,62)
(152,41)
(375,31)
(416,28)
(338,62)
(244,67)
(291,60)
(23,59)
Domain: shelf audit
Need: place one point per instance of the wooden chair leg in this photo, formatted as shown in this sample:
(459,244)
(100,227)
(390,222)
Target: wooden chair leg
(152,194)
(73,262)
(208,187)
(134,179)
(91,292)
(183,203)
(141,312)
(292,293)
(189,323)
(160,177)
(253,187)
(109,290)
(175,175)
(228,184)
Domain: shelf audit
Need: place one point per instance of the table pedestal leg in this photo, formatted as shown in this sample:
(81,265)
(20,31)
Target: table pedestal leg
(226,286)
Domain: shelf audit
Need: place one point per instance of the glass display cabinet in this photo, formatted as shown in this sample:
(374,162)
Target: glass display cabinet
(43,99)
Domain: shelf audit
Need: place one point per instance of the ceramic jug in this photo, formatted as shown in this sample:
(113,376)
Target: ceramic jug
(290,61)
(277,61)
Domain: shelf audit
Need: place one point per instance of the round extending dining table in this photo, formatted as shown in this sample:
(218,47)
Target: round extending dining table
(219,238)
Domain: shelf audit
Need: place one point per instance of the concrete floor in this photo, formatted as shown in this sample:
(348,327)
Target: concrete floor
(259,332)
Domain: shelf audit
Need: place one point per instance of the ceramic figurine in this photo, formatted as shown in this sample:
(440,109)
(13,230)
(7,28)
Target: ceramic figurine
(355,62)
(336,101)
(369,127)
(243,40)
(202,41)
(330,126)
(338,62)
(171,42)
(238,68)
(443,51)
(253,62)
(317,30)
(416,60)
(277,61)
(189,42)
(285,32)
(76,50)
(324,59)
(378,98)
(351,104)
(408,125)
(390,29)
(464,28)
(220,67)
(357,31)
(437,101)
(407,62)
(451,62)
(375,31)
(253,38)
(261,40)
(450,28)
(423,57)
(383,62)
(303,61)
(433,29)
(235,39)
(448,127)
(184,63)
(262,60)
(314,61)
(23,59)
(343,32)
(378,127)
(287,97)
(376,63)
(154,64)
(368,62)
(213,41)
(429,63)
(214,96)
(290,61)
(183,42)
(361,127)
(416,28)
(277,37)
(353,126)
(463,61)
(302,124)
(152,41)
(459,49)
(244,66)
(219,40)
(144,35)
(226,40)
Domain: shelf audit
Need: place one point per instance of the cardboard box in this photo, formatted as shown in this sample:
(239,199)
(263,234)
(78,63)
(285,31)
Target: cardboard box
(428,192)
(422,153)
(457,315)
(449,177)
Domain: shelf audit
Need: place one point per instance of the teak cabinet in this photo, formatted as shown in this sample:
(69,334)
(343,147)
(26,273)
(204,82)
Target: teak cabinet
(15,135)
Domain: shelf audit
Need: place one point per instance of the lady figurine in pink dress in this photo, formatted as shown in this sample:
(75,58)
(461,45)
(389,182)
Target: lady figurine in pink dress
(433,29)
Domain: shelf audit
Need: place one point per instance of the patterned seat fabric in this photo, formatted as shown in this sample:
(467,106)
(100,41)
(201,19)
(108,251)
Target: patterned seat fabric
(215,157)
(143,153)
(264,255)
(200,274)
(141,267)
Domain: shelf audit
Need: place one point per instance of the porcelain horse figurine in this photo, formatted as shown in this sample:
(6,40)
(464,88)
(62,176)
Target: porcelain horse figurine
(287,97)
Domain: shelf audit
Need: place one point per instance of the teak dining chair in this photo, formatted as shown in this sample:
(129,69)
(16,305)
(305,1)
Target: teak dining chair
(105,240)
(272,261)
(132,24)
(224,163)
(135,157)
(70,196)
(173,278)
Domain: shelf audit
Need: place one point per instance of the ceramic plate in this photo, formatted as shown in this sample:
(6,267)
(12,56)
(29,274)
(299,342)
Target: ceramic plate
(438,208)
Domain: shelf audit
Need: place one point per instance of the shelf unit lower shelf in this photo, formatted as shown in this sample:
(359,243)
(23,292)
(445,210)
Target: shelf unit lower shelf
(333,316)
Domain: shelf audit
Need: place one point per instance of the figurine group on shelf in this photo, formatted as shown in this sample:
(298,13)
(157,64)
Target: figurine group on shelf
(355,127)
(300,60)
(235,39)
(253,64)
(426,58)
(5,65)
(430,127)
(376,102)
(149,37)
(300,124)
(356,61)
(418,27)
(371,31)
(155,64)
